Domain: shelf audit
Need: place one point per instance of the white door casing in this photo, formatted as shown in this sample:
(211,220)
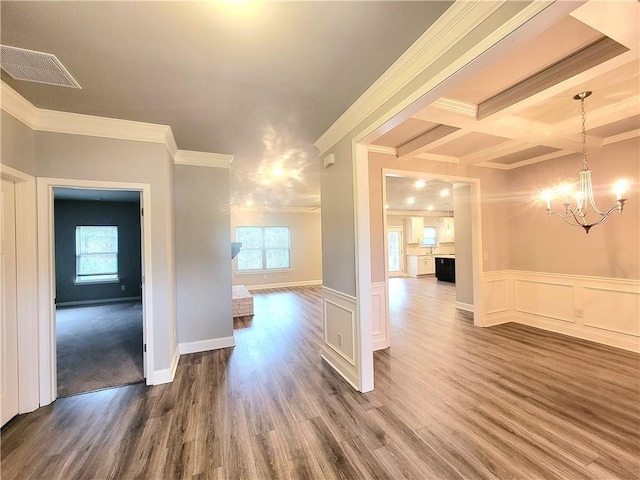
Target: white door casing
(46,266)
(9,386)
(395,253)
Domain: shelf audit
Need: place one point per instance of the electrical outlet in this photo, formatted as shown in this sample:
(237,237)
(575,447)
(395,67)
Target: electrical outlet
(122,288)
(579,313)
(340,340)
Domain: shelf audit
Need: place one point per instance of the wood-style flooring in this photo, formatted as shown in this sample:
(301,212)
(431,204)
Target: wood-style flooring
(451,401)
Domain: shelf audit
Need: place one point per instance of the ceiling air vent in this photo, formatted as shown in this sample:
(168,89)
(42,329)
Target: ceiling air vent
(37,67)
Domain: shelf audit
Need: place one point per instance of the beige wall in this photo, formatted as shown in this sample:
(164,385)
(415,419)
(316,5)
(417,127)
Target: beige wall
(541,244)
(306,248)
(462,229)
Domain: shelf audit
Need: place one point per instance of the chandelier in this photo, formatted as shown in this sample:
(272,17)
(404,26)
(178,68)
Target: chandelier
(576,215)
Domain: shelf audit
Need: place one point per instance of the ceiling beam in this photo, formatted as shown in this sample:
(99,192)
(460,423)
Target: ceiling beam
(429,139)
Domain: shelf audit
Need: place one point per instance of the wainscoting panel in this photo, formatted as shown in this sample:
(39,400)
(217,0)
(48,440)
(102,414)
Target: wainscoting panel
(496,298)
(616,311)
(603,310)
(340,347)
(379,316)
(545,299)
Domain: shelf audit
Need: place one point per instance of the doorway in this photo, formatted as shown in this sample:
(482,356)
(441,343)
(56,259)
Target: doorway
(98,289)
(395,253)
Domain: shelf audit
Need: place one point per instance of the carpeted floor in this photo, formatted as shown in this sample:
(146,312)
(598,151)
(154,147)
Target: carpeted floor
(98,346)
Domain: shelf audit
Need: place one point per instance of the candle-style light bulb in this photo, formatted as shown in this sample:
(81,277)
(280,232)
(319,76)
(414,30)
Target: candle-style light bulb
(621,188)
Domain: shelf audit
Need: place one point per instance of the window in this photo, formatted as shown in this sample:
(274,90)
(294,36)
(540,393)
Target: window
(96,254)
(429,237)
(263,248)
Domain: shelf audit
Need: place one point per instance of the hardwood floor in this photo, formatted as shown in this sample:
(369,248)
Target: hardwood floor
(451,401)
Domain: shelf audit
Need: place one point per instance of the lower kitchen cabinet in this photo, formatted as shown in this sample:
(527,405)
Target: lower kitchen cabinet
(446,269)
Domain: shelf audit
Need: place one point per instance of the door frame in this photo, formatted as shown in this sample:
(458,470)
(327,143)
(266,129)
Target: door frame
(386,250)
(27,286)
(46,268)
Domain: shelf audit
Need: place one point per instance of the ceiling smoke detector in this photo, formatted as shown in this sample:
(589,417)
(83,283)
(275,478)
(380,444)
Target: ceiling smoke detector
(33,66)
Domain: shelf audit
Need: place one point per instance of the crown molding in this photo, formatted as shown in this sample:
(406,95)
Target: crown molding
(383,150)
(90,125)
(202,159)
(456,106)
(239,209)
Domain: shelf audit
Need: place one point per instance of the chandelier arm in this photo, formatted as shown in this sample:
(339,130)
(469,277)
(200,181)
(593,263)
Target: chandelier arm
(591,199)
(566,219)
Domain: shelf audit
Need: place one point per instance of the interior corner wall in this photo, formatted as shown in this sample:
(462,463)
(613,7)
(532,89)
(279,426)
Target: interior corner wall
(306,248)
(69,214)
(542,244)
(17,144)
(93,158)
(338,222)
(203,255)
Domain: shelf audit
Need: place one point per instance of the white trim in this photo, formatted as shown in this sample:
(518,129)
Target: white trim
(456,106)
(46,269)
(380,323)
(266,286)
(571,314)
(97,301)
(17,106)
(203,159)
(467,307)
(383,150)
(166,375)
(27,287)
(206,345)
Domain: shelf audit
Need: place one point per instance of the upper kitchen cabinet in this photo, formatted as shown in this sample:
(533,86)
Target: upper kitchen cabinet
(446,233)
(414,229)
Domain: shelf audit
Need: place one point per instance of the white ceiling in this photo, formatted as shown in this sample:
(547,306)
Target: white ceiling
(257,80)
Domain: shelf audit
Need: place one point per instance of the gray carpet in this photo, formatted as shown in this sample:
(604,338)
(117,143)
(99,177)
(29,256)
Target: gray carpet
(98,346)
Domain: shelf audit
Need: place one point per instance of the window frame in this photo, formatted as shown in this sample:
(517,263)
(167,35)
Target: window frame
(95,278)
(263,249)
(424,236)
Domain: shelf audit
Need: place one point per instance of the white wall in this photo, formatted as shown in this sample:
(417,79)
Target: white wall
(306,248)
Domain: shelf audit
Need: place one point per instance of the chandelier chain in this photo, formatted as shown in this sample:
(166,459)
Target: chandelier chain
(584,134)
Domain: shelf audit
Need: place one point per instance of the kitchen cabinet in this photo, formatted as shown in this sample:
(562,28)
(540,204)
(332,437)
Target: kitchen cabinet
(414,229)
(420,265)
(446,232)
(446,269)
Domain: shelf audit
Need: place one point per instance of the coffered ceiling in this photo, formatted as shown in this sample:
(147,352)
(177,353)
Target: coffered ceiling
(520,109)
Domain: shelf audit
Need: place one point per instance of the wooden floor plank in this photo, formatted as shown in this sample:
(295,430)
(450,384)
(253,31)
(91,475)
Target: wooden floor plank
(451,401)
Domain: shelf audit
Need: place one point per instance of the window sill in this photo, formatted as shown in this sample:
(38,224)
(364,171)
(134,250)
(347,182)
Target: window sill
(95,282)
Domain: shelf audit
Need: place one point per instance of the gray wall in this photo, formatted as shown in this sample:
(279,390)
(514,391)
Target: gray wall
(338,223)
(126,216)
(203,253)
(17,146)
(92,158)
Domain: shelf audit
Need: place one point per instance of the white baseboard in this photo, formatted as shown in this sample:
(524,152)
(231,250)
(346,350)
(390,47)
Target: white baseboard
(206,345)
(464,306)
(166,375)
(266,286)
(97,302)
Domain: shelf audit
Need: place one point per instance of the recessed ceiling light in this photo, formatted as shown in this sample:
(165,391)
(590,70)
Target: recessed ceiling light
(430,207)
(249,203)
(411,200)
(419,184)
(386,206)
(277,172)
(444,193)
